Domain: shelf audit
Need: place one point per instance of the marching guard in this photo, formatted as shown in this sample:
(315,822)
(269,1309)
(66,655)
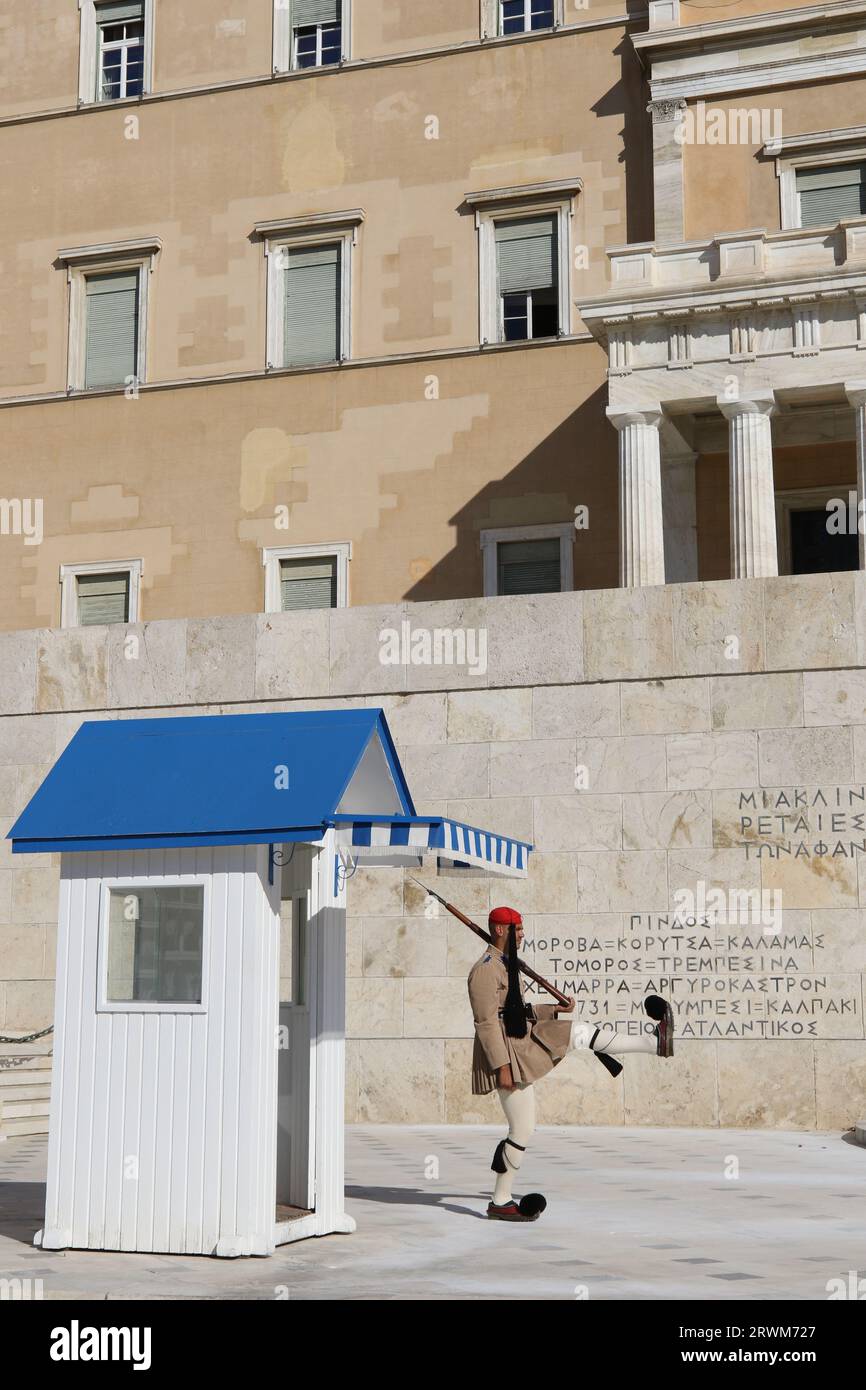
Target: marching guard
(517,1043)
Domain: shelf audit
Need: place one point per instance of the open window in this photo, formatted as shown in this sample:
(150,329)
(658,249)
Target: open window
(116,49)
(310,34)
(524,241)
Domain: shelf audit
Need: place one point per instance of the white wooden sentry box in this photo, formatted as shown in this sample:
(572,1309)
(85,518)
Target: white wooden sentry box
(193,1111)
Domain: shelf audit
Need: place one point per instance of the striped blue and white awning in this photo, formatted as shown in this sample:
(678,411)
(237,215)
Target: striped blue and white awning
(407,840)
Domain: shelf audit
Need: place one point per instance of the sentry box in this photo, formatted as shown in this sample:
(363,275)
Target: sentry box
(192,1110)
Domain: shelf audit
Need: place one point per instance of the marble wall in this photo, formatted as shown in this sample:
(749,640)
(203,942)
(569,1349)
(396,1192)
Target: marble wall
(665,750)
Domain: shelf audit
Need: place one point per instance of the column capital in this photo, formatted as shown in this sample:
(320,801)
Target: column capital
(856,393)
(664,109)
(623,416)
(759,403)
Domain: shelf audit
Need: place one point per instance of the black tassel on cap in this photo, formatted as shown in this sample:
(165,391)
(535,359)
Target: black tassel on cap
(514,1013)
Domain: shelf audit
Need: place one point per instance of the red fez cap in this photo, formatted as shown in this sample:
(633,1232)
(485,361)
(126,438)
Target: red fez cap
(504,917)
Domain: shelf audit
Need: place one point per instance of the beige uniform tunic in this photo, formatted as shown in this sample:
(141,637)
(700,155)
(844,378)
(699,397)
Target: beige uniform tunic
(530,1058)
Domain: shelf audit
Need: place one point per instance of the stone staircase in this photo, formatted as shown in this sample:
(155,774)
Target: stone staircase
(25,1088)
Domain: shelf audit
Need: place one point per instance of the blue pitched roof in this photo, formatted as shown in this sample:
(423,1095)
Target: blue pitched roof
(205,780)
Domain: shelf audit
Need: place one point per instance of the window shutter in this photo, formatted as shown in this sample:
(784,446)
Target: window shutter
(103,598)
(529,567)
(312,322)
(308,584)
(306,12)
(828,195)
(112,329)
(526,254)
(115,14)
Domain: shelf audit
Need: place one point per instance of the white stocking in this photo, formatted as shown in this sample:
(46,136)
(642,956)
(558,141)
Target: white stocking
(519,1107)
(610,1041)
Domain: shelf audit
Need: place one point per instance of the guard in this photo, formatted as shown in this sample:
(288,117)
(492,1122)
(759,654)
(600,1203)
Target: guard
(517,1043)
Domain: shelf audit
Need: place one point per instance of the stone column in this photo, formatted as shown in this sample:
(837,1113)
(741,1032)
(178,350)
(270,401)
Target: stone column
(856,393)
(641,526)
(668,196)
(754,552)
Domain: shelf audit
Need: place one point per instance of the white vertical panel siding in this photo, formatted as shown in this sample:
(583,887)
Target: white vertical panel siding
(190,1097)
(328,1085)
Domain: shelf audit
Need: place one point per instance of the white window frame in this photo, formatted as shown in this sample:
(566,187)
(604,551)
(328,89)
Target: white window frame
(133,882)
(795,155)
(88,61)
(490,541)
(284,38)
(83,261)
(69,575)
(341,551)
(279,237)
(489,302)
(491,20)
(803,499)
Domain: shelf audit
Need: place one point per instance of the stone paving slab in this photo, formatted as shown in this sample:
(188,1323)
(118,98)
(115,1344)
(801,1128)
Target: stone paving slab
(633,1214)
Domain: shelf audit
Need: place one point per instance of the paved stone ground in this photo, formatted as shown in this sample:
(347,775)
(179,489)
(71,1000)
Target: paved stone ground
(633,1214)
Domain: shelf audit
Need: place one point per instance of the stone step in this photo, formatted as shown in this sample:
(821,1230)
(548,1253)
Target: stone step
(34,1090)
(19,1129)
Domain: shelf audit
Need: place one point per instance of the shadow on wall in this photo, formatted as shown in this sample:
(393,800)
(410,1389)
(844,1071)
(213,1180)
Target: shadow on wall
(628,99)
(575,465)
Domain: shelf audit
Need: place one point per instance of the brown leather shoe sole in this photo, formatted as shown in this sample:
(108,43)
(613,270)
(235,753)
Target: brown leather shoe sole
(510,1213)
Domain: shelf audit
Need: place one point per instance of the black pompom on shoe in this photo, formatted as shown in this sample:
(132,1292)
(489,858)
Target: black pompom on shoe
(662,1015)
(532,1205)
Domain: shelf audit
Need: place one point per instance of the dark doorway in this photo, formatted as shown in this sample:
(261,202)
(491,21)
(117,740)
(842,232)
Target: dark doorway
(815,550)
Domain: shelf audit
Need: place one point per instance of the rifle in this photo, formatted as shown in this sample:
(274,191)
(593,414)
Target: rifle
(485,936)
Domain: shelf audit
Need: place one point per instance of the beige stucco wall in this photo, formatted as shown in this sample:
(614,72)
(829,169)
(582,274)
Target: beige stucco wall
(729,187)
(192,480)
(355,139)
(680,743)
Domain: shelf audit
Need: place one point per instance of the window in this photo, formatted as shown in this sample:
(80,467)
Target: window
(111,328)
(528,560)
(107,313)
(309,288)
(526,272)
(524,236)
(154,952)
(522,16)
(94,594)
(120,51)
(116,50)
(300,578)
(310,34)
(311,305)
(828,194)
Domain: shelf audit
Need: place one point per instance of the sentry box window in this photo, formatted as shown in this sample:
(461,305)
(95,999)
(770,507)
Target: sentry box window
(154,948)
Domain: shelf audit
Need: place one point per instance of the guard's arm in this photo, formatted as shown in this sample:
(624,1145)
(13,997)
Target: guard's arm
(484,998)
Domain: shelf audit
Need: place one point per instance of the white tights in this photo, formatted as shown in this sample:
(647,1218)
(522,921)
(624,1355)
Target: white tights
(519,1104)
